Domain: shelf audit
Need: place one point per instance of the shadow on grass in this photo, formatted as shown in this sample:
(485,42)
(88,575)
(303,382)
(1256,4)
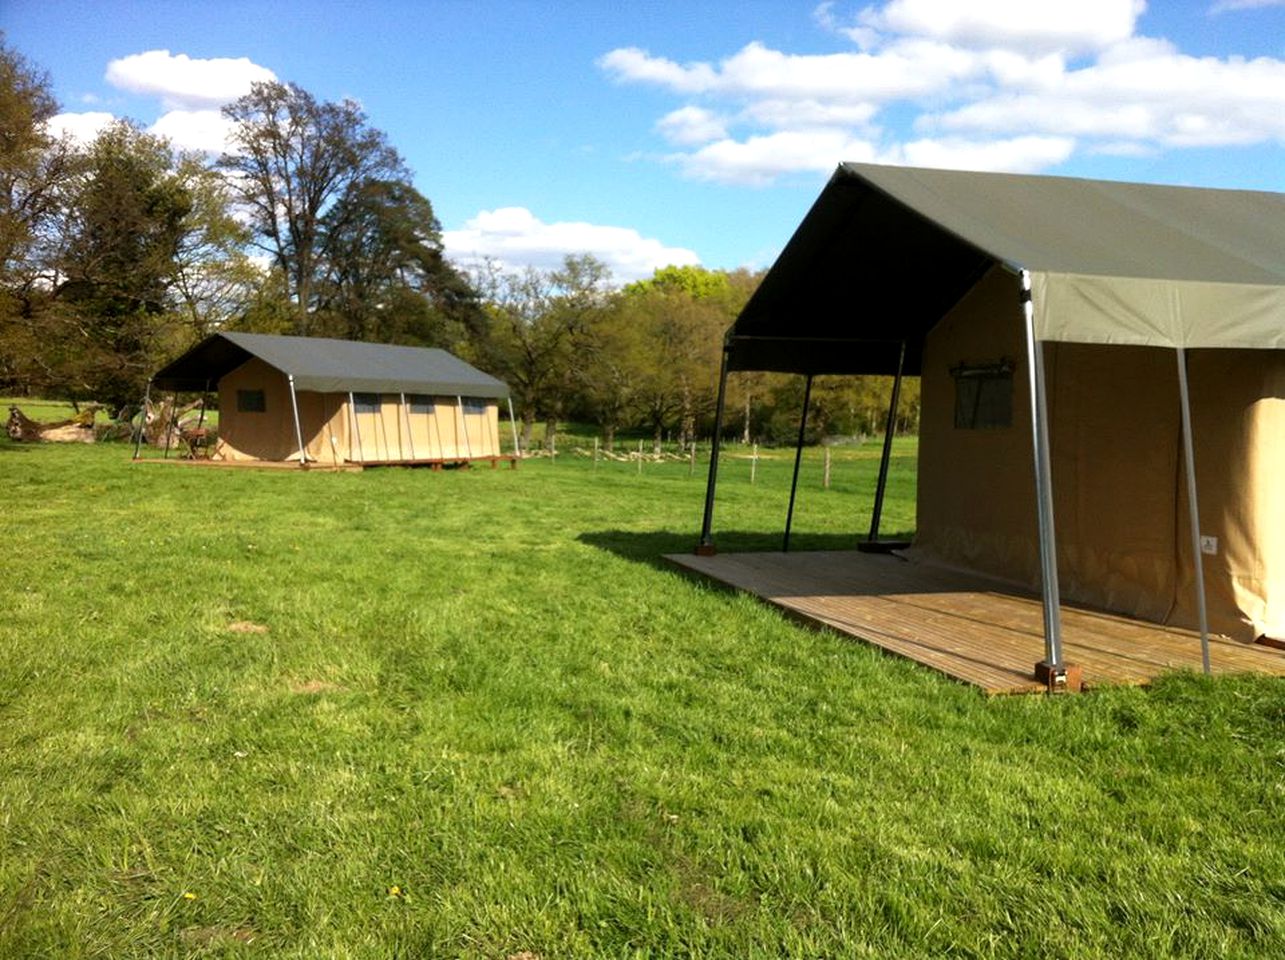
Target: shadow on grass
(650,546)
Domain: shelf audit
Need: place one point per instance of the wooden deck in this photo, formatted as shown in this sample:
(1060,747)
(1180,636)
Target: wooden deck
(973,629)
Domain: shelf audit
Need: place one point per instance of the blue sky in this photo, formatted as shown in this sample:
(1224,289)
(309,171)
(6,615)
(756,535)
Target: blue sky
(659,132)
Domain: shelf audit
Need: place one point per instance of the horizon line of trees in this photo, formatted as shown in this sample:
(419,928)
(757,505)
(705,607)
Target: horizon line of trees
(118,254)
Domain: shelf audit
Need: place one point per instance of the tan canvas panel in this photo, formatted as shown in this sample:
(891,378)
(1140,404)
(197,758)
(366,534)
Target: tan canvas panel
(400,433)
(976,502)
(1156,312)
(247,435)
(1238,421)
(1119,487)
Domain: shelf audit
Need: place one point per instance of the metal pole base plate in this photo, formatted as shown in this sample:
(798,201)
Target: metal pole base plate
(705,550)
(1068,678)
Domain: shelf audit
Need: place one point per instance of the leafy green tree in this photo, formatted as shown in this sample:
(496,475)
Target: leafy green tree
(26,103)
(33,170)
(214,280)
(541,333)
(294,156)
(385,276)
(126,211)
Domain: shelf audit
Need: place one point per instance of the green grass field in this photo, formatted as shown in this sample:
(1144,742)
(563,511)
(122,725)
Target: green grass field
(414,714)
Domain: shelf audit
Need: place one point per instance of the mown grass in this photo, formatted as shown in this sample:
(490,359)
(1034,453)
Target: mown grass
(484,720)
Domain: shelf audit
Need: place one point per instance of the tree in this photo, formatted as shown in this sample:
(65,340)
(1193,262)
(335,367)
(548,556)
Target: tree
(124,218)
(385,277)
(541,332)
(214,281)
(294,157)
(33,170)
(26,103)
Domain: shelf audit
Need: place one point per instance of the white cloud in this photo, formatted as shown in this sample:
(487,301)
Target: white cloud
(1222,6)
(989,84)
(186,83)
(909,69)
(81,127)
(758,160)
(514,238)
(204,130)
(1015,155)
(1026,25)
(1145,92)
(691,125)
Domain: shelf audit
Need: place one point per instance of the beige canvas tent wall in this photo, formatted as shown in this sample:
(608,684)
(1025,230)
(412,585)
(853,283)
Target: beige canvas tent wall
(1050,319)
(1119,491)
(355,402)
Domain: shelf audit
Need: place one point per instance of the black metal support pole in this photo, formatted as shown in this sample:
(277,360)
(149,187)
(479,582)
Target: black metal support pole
(889,430)
(173,420)
(706,543)
(798,456)
(205,400)
(142,419)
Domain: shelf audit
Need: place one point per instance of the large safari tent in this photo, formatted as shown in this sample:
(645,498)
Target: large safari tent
(1103,382)
(313,400)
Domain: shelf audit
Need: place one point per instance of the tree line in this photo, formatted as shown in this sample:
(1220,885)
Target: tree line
(118,254)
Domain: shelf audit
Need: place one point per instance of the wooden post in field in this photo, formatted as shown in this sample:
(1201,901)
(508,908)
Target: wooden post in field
(691,460)
(640,457)
(754,463)
(826,482)
(595,453)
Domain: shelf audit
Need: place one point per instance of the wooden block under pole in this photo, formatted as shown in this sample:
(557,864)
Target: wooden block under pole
(1068,678)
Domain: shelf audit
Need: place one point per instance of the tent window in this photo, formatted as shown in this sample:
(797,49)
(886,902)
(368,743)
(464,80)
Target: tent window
(421,404)
(251,401)
(983,395)
(474,405)
(366,402)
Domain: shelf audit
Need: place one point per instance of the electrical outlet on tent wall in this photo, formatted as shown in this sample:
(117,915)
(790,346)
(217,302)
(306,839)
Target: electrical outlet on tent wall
(1209,546)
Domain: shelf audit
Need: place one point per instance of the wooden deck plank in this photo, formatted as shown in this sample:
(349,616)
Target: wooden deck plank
(974,629)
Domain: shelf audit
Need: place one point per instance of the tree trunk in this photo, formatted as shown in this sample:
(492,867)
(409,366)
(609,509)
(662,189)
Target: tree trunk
(79,429)
(745,434)
(609,435)
(528,428)
(550,434)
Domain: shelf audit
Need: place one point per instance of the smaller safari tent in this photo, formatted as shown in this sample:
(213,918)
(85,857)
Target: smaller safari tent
(333,402)
(1103,379)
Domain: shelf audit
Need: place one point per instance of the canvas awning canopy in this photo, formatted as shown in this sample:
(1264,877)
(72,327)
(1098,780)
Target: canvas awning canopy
(885,252)
(330,366)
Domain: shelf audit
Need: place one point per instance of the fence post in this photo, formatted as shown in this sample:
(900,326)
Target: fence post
(754,463)
(595,452)
(640,443)
(691,460)
(826,481)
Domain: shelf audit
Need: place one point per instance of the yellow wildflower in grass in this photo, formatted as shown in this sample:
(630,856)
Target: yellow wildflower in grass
(188,895)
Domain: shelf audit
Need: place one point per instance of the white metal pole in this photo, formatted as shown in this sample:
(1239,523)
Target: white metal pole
(1043,482)
(468,447)
(356,427)
(410,436)
(1189,449)
(298,433)
(142,418)
(514,424)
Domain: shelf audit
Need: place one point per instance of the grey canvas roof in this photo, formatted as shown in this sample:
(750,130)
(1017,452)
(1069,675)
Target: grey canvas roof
(331,366)
(885,252)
